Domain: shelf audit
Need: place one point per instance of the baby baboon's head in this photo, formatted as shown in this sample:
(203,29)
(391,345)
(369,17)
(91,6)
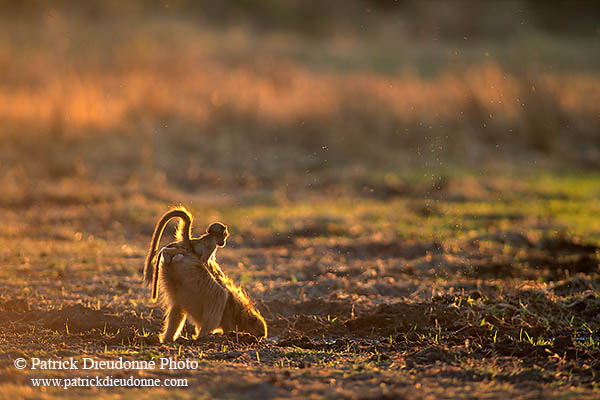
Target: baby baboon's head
(220,232)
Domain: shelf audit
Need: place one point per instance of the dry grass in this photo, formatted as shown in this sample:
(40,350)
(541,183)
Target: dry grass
(149,96)
(365,294)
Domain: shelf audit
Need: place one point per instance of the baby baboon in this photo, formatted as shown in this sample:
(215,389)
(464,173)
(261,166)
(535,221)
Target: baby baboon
(188,289)
(204,246)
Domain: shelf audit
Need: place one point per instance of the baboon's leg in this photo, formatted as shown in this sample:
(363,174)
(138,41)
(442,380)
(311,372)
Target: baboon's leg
(174,321)
(213,313)
(209,323)
(195,313)
(196,316)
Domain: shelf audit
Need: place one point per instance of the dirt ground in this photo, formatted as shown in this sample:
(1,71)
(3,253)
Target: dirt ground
(371,295)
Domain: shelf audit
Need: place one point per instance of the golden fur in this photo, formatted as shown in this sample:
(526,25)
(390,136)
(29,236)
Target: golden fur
(189,289)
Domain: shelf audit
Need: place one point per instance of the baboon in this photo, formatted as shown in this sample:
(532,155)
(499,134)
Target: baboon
(205,246)
(187,289)
(192,283)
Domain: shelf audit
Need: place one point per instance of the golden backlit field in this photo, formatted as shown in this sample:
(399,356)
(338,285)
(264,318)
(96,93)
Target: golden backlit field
(413,194)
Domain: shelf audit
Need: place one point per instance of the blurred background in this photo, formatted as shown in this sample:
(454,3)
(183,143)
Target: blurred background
(190,94)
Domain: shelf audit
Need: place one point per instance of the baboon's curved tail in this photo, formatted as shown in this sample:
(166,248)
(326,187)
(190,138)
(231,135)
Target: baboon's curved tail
(155,279)
(184,230)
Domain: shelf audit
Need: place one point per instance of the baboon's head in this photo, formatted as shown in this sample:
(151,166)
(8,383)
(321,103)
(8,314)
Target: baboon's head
(220,231)
(250,320)
(240,314)
(257,325)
